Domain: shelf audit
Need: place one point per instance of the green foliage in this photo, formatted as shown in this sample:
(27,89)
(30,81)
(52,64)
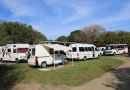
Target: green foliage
(87,35)
(96,34)
(115,37)
(62,39)
(14,32)
(77,36)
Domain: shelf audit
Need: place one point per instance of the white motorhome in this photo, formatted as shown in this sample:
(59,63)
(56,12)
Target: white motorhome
(82,51)
(46,54)
(15,52)
(114,49)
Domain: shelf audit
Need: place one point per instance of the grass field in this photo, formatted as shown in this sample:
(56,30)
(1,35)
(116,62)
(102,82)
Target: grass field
(81,72)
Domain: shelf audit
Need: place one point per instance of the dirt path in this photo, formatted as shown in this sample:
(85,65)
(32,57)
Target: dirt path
(119,79)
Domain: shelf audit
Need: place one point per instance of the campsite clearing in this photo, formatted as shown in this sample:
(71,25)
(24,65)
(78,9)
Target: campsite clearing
(78,74)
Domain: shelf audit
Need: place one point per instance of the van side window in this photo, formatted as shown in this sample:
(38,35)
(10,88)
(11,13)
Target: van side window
(14,50)
(81,49)
(33,51)
(9,50)
(90,49)
(96,49)
(74,49)
(102,49)
(51,51)
(86,49)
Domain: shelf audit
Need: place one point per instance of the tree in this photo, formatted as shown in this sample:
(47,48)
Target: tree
(62,39)
(96,34)
(77,36)
(93,32)
(14,32)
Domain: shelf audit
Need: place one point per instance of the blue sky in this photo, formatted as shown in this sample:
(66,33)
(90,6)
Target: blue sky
(60,17)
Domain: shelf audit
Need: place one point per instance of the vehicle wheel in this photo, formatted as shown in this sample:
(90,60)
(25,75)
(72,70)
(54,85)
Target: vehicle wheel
(1,59)
(85,58)
(43,65)
(114,53)
(62,62)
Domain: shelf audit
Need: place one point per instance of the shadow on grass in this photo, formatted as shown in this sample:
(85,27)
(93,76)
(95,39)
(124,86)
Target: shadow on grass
(123,76)
(8,77)
(123,79)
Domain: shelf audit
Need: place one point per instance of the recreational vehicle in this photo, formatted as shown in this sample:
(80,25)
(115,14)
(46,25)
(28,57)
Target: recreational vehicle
(47,54)
(82,51)
(15,52)
(114,49)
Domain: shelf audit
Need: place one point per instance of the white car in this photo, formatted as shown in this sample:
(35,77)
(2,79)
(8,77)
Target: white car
(113,49)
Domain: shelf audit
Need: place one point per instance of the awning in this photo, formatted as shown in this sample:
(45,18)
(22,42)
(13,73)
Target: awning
(58,47)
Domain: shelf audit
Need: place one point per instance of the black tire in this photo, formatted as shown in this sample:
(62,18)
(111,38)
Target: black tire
(114,53)
(1,59)
(85,58)
(43,65)
(63,62)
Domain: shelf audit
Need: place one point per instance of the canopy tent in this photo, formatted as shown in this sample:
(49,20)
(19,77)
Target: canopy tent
(57,47)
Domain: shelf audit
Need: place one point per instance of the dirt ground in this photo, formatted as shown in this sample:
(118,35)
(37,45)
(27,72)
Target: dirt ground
(118,79)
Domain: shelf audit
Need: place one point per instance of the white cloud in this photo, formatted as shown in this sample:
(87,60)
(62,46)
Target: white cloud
(19,7)
(51,2)
(121,15)
(81,9)
(78,9)
(79,12)
(125,11)
(66,11)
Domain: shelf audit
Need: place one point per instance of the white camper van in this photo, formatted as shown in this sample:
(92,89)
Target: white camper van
(46,54)
(82,51)
(114,49)
(15,52)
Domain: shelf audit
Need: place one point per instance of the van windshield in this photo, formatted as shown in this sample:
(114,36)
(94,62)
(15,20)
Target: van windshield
(109,48)
(22,50)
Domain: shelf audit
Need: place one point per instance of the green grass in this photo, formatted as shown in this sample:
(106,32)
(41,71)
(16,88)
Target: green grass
(81,72)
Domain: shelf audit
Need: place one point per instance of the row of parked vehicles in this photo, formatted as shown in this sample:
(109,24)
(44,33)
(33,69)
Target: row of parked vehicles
(49,54)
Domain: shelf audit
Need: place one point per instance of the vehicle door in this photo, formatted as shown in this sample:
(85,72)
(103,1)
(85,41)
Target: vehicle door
(82,53)
(91,52)
(74,53)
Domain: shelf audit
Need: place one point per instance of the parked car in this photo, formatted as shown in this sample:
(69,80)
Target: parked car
(114,49)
